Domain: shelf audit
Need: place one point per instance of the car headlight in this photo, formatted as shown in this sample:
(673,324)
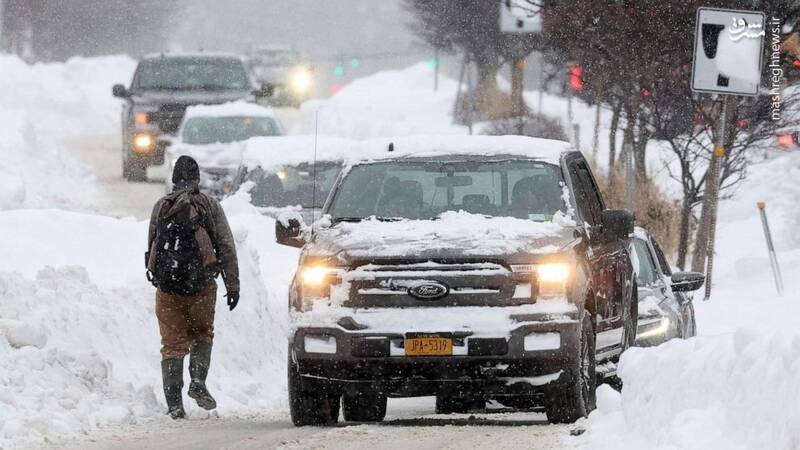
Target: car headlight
(659,329)
(551,278)
(143,143)
(301,81)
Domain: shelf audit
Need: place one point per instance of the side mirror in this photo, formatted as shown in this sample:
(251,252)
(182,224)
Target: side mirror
(119,91)
(617,223)
(288,231)
(687,281)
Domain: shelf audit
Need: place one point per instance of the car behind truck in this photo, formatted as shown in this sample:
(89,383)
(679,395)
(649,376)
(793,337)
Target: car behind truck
(471,269)
(163,86)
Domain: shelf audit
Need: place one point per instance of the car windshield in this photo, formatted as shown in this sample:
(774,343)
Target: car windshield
(293,185)
(525,189)
(209,130)
(214,74)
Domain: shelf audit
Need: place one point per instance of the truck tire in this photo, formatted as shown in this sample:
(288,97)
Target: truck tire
(577,397)
(630,320)
(133,169)
(307,406)
(450,404)
(364,407)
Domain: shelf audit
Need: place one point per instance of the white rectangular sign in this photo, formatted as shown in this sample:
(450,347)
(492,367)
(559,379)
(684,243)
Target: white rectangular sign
(728,51)
(520,16)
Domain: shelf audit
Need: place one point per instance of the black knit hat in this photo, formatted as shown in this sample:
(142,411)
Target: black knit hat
(185,170)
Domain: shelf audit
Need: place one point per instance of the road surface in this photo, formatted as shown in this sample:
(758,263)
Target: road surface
(410,424)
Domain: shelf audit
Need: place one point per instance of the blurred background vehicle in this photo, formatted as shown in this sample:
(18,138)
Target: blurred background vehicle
(665,298)
(279,173)
(213,135)
(287,74)
(163,86)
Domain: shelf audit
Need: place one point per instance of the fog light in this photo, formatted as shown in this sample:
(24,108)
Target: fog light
(143,143)
(319,343)
(542,341)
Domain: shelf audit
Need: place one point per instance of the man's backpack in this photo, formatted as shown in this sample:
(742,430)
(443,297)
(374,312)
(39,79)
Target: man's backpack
(177,266)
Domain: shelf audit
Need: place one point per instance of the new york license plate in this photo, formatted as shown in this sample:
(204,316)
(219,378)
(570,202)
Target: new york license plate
(429,346)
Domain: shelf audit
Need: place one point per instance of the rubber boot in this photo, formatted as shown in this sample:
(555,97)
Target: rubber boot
(199,363)
(172,374)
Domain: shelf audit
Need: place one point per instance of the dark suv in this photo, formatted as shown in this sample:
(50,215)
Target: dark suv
(493,274)
(162,87)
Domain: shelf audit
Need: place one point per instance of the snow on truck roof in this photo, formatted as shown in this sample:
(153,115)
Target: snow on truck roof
(273,152)
(238,108)
(192,55)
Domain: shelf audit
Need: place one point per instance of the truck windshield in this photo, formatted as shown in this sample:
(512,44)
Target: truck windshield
(423,190)
(209,130)
(186,73)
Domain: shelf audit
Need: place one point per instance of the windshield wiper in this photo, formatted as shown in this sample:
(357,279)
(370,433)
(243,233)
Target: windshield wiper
(359,219)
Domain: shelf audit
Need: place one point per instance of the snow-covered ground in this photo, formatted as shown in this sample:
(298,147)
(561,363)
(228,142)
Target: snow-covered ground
(79,340)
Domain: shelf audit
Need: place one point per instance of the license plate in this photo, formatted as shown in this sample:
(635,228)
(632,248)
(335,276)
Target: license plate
(429,346)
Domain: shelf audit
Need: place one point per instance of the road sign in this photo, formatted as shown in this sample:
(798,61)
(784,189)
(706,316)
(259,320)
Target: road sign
(728,50)
(520,16)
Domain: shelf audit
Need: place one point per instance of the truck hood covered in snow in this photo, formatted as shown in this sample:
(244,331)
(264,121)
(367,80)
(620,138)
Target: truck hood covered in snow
(452,235)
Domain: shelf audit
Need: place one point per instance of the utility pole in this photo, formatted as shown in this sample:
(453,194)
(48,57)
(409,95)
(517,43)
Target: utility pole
(712,199)
(435,68)
(630,177)
(517,72)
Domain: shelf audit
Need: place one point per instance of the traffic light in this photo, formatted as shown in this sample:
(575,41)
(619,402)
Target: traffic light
(354,63)
(432,63)
(338,70)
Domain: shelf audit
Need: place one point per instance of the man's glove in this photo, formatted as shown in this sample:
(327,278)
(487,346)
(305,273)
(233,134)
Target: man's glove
(233,299)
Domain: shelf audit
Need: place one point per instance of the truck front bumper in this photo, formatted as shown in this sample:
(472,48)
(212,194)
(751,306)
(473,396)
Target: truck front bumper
(527,359)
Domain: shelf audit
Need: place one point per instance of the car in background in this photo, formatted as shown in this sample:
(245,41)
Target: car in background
(665,298)
(163,86)
(287,74)
(469,268)
(214,136)
(286,173)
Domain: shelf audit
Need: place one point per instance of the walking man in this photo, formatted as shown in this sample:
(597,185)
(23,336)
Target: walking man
(190,244)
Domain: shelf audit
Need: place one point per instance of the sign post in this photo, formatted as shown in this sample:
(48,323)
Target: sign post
(773,259)
(728,50)
(519,17)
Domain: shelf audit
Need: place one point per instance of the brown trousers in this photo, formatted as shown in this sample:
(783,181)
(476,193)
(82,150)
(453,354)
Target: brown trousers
(184,320)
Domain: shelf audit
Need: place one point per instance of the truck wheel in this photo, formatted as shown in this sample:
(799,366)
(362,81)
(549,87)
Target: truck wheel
(133,169)
(364,407)
(577,397)
(307,406)
(448,404)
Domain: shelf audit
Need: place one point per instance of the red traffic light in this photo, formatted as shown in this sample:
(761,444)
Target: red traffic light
(575,78)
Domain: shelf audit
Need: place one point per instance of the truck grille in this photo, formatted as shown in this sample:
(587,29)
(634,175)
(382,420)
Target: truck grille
(168,117)
(467,283)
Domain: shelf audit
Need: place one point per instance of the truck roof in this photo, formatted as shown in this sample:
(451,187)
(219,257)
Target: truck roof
(273,152)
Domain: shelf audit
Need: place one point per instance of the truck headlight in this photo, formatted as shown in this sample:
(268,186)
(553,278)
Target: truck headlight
(551,279)
(317,280)
(143,143)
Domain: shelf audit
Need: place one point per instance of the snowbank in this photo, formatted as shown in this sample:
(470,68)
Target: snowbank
(79,345)
(733,386)
(388,103)
(41,105)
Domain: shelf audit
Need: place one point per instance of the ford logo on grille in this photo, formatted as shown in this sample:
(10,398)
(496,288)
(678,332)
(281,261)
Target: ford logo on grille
(430,290)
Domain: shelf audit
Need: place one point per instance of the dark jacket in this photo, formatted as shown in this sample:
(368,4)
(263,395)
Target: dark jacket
(216,242)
